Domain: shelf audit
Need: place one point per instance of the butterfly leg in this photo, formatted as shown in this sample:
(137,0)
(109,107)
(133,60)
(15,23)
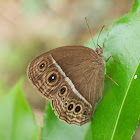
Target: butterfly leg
(111,79)
(112,59)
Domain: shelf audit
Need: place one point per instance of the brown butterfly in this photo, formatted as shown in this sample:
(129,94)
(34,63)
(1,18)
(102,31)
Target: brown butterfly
(72,77)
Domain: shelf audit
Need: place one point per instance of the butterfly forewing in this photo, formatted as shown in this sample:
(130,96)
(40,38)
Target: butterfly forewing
(85,68)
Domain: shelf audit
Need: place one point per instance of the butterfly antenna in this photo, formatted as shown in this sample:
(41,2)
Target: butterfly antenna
(99,36)
(90,32)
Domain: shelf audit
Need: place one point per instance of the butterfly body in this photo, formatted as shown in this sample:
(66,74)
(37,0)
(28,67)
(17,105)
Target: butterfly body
(72,77)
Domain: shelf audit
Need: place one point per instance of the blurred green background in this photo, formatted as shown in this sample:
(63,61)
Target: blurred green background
(31,27)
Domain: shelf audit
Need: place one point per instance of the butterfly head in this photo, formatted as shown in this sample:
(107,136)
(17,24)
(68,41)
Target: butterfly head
(99,51)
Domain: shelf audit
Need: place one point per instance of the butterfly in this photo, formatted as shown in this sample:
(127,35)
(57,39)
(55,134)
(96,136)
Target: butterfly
(72,77)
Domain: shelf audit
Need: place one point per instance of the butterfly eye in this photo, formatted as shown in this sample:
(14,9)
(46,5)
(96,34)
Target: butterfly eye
(63,91)
(42,66)
(85,112)
(65,103)
(78,109)
(70,107)
(52,78)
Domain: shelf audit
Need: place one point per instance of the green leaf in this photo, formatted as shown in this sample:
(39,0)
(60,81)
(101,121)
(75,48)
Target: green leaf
(117,115)
(55,129)
(16,119)
(129,112)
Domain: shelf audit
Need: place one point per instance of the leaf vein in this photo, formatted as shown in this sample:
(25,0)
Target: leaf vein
(124,100)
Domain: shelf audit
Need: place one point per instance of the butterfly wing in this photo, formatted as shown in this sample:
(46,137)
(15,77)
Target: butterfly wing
(72,77)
